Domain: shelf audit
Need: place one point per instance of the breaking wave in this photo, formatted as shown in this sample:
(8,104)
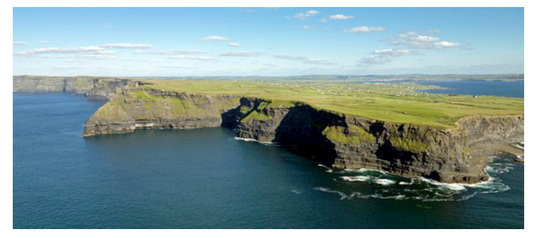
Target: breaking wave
(254,140)
(327,169)
(366,184)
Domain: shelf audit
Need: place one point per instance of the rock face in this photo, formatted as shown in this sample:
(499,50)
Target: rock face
(349,142)
(135,109)
(97,88)
(456,154)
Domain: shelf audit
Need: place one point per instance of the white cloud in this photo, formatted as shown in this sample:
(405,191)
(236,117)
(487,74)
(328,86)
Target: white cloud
(234,44)
(200,58)
(66,67)
(308,28)
(93,56)
(445,44)
(90,52)
(392,52)
(340,17)
(415,40)
(304,59)
(240,54)
(423,38)
(365,29)
(305,15)
(169,52)
(85,50)
(291,57)
(20,43)
(214,38)
(126,46)
(51,56)
(318,62)
(384,56)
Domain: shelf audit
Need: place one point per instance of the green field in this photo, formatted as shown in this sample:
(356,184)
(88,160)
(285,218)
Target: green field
(391,102)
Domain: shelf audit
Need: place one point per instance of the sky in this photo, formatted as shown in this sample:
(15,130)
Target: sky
(267,41)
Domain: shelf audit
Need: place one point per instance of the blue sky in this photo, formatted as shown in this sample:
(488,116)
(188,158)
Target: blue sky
(267,41)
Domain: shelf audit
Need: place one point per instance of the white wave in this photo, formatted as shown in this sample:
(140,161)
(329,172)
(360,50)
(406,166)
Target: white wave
(424,189)
(355,178)
(492,185)
(455,186)
(385,182)
(342,195)
(362,170)
(327,169)
(400,197)
(377,195)
(499,168)
(295,191)
(253,140)
(405,183)
(451,186)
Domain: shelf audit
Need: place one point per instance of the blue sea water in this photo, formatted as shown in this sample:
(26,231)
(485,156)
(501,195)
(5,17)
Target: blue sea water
(205,178)
(477,87)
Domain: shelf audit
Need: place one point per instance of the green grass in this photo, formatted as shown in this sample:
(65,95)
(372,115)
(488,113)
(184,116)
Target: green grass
(113,110)
(141,94)
(351,135)
(83,83)
(281,104)
(245,109)
(408,144)
(255,115)
(388,102)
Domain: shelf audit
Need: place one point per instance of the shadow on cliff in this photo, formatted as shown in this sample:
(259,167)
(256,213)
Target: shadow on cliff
(301,130)
(231,118)
(396,159)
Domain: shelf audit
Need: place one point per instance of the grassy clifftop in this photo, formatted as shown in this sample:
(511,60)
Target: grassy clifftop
(389,102)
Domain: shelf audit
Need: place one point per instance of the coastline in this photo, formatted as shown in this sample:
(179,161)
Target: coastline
(341,141)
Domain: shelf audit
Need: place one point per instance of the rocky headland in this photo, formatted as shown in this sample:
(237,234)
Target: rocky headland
(457,154)
(97,88)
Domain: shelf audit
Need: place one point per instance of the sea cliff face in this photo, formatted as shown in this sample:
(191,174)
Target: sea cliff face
(98,88)
(137,108)
(349,142)
(456,154)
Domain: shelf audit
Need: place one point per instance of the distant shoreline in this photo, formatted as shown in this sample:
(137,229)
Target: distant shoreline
(344,78)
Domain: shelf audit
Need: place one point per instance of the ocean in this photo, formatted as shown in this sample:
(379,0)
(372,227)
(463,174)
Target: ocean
(206,178)
(477,87)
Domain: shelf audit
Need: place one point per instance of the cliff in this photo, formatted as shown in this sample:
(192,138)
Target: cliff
(99,88)
(334,139)
(136,108)
(458,153)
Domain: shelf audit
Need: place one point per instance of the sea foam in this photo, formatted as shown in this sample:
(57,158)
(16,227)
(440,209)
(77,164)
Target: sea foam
(355,178)
(384,182)
(254,140)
